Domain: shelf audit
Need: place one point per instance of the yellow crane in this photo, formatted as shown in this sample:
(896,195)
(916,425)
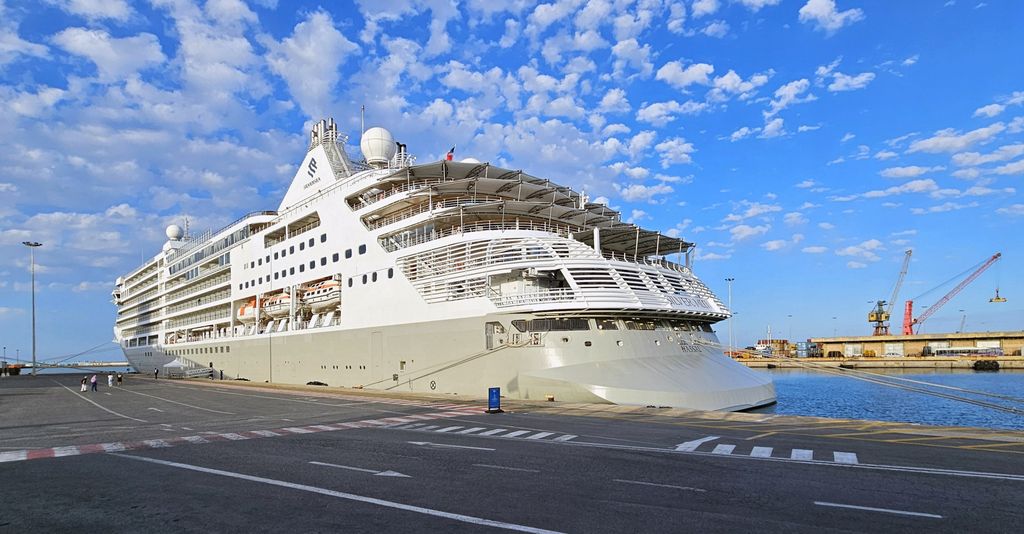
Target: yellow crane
(879,316)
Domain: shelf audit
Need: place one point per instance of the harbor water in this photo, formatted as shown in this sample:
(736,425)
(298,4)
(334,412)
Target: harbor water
(825,394)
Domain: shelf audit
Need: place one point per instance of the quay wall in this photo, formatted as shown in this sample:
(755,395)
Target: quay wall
(929,362)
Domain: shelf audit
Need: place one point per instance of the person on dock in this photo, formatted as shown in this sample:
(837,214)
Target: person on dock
(120,379)
(110,380)
(85,379)
(93,381)
(156,373)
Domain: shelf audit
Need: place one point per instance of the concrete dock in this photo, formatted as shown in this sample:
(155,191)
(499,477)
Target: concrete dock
(908,362)
(172,456)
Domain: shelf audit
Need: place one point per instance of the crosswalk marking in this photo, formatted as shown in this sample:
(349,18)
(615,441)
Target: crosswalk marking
(566,437)
(470,430)
(723,448)
(429,428)
(407,427)
(802,454)
(449,429)
(691,446)
(845,457)
(761,452)
(492,432)
(516,433)
(540,435)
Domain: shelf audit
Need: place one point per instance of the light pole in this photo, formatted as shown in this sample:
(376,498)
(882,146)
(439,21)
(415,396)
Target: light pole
(729,281)
(32,261)
(789,340)
(834,327)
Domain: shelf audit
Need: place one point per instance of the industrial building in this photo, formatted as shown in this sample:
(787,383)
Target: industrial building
(959,344)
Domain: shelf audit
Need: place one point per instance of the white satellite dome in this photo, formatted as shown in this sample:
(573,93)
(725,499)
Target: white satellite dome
(174,232)
(378,146)
(469,160)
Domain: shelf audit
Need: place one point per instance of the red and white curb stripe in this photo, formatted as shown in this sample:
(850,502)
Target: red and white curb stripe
(149,444)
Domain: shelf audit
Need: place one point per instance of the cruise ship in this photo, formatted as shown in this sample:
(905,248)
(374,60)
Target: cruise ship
(444,277)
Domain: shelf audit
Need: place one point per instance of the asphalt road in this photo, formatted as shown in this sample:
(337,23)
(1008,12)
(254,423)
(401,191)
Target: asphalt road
(175,456)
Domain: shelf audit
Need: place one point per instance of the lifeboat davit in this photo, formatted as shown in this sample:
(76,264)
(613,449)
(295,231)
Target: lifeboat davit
(323,296)
(247,312)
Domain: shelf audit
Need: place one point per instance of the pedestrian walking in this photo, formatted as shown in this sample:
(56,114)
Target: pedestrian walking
(93,381)
(156,373)
(85,379)
(110,380)
(120,379)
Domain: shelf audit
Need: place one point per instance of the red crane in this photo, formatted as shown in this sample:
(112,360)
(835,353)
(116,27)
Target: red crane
(908,310)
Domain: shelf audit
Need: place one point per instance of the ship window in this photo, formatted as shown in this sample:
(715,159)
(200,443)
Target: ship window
(284,253)
(228,348)
(268,258)
(311,241)
(302,246)
(275,255)
(291,270)
(260,262)
(291,249)
(607,324)
(239,286)
(275,276)
(252,265)
(323,238)
(374,277)
(364,278)
(246,284)
(302,268)
(323,260)
(312,264)
(348,254)
(350,281)
(334,258)
(362,249)
(391,272)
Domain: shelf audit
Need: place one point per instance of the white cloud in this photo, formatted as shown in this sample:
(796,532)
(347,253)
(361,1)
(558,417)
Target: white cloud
(1015,210)
(742,133)
(1016,167)
(511,34)
(1016,125)
(814,250)
(115,58)
(315,45)
(966,174)
(674,74)
(717,29)
(844,82)
(775,244)
(926,185)
(826,226)
(641,142)
(773,128)
(662,113)
(701,8)
(866,250)
(675,150)
(629,53)
(756,5)
(949,140)
(886,154)
(730,84)
(806,184)
(640,192)
(97,9)
(789,94)
(754,209)
(614,101)
(807,128)
(989,111)
(1003,153)
(908,172)
(826,17)
(794,218)
(856,264)
(942,208)
(743,231)
(847,137)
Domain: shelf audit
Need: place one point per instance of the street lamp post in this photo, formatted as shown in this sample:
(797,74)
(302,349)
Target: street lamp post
(32,261)
(834,327)
(729,281)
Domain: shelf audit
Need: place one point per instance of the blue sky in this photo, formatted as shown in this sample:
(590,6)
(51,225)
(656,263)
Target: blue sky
(803,144)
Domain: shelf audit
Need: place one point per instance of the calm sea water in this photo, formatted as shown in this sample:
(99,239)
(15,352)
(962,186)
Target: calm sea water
(806,392)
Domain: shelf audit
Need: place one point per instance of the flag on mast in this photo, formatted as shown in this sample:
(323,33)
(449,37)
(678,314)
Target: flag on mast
(451,154)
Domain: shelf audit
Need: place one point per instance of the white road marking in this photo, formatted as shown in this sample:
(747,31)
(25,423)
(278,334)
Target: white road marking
(13,456)
(761,452)
(506,468)
(350,468)
(65,451)
(470,430)
(873,509)
(186,428)
(845,457)
(691,446)
(409,427)
(449,429)
(723,448)
(802,454)
(196,439)
(156,443)
(155,409)
(540,435)
(266,433)
(113,447)
(297,430)
(686,488)
(326,428)
(516,433)
(234,437)
(180,403)
(447,446)
(566,437)
(429,428)
(105,393)
(348,496)
(492,432)
(108,410)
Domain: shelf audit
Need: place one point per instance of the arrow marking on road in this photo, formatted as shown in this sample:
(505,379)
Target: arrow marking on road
(388,473)
(445,445)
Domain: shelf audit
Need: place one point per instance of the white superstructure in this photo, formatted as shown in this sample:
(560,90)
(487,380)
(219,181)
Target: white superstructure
(445,277)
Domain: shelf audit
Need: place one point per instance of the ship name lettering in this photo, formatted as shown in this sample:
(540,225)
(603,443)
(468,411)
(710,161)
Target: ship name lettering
(689,301)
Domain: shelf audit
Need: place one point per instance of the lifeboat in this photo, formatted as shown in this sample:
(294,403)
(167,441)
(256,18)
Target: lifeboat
(323,296)
(247,312)
(278,305)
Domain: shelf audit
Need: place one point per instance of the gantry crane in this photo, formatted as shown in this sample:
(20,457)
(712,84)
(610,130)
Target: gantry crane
(880,315)
(908,310)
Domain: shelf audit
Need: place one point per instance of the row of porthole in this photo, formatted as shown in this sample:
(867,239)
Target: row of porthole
(339,367)
(618,342)
(371,277)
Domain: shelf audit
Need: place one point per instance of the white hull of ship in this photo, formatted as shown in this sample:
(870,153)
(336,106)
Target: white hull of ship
(632,367)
